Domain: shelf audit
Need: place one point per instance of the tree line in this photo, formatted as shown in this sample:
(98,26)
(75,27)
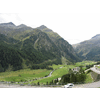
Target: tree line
(12,59)
(45,65)
(9,57)
(74,77)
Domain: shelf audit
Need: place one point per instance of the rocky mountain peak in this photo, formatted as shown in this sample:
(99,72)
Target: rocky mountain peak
(96,36)
(22,25)
(42,27)
(10,23)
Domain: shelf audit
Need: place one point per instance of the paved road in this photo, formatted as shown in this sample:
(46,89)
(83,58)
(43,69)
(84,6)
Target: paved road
(26,86)
(51,73)
(95,70)
(89,85)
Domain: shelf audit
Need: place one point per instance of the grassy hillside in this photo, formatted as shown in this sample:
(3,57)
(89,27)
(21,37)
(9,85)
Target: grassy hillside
(90,49)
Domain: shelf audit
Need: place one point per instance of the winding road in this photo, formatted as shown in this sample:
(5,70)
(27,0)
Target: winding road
(94,69)
(88,85)
(9,85)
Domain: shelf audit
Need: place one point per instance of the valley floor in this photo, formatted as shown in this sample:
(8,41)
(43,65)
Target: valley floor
(32,77)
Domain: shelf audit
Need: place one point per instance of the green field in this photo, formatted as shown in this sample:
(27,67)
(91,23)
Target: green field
(29,76)
(98,66)
(84,63)
(56,74)
(23,75)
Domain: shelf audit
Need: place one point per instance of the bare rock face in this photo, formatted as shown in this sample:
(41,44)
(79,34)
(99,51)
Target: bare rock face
(10,24)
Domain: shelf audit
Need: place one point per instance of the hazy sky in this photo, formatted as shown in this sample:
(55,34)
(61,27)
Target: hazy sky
(73,20)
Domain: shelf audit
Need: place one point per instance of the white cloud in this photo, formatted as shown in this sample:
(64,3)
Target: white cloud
(10,17)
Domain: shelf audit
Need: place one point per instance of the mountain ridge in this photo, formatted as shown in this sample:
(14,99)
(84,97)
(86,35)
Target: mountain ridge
(89,49)
(96,36)
(9,23)
(37,48)
(44,28)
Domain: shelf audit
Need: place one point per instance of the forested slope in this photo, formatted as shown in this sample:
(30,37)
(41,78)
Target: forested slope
(24,47)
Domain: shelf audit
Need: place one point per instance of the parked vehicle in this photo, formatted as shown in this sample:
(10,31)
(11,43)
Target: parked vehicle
(69,85)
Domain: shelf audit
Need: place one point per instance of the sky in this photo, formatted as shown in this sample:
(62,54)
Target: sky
(75,21)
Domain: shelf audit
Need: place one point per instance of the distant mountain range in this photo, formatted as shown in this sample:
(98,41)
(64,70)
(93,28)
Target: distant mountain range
(25,47)
(90,49)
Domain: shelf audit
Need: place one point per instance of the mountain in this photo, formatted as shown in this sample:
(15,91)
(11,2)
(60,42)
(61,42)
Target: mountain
(90,49)
(21,26)
(96,37)
(24,47)
(10,24)
(64,47)
(44,28)
(13,31)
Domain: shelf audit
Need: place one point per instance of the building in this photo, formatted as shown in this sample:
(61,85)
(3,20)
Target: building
(76,69)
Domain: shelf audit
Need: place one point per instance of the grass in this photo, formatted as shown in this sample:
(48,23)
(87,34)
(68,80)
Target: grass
(22,75)
(56,74)
(55,66)
(59,73)
(28,74)
(88,78)
(98,66)
(84,63)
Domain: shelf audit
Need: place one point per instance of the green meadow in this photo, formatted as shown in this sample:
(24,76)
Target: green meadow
(84,63)
(56,74)
(30,76)
(23,75)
